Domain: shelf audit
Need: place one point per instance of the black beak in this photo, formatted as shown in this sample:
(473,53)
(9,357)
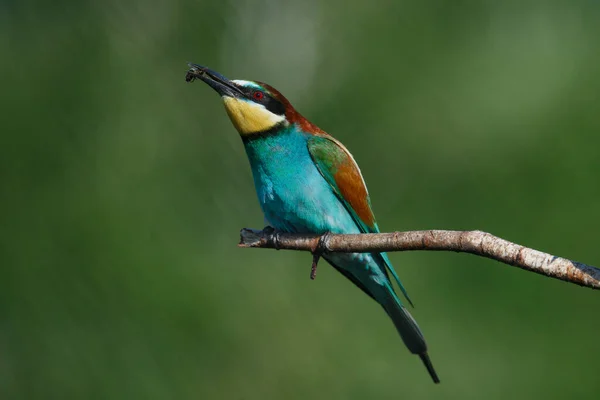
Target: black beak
(222,85)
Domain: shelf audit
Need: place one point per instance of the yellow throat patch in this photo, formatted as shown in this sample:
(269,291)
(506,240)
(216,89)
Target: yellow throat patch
(248,117)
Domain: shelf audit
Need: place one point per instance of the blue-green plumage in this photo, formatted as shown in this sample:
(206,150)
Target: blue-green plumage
(307,182)
(295,197)
(291,191)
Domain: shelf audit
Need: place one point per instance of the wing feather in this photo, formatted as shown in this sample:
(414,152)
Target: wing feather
(337,166)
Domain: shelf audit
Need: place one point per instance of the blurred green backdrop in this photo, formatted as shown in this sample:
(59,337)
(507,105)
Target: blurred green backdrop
(123,190)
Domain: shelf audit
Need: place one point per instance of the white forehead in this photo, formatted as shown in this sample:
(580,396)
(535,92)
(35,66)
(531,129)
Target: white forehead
(249,84)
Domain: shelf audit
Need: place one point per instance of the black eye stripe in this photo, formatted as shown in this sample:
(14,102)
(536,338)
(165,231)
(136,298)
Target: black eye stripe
(275,106)
(270,103)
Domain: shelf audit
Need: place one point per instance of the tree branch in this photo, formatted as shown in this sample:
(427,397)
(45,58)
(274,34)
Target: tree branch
(475,242)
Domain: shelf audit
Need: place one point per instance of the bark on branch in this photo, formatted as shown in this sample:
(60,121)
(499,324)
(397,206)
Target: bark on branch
(474,242)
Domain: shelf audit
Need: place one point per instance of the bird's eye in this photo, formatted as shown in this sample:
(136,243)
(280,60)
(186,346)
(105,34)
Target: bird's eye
(258,95)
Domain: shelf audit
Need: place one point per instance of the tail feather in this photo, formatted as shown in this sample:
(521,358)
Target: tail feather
(410,333)
(427,361)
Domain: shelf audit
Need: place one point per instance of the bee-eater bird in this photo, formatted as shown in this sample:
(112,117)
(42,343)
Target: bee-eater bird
(308,182)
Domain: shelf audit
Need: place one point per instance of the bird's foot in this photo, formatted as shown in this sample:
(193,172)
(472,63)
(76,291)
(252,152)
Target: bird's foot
(272,236)
(321,248)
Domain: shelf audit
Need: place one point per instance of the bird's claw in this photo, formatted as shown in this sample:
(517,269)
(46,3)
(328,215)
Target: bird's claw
(321,248)
(272,236)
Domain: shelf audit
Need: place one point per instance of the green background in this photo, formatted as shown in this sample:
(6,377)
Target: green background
(123,190)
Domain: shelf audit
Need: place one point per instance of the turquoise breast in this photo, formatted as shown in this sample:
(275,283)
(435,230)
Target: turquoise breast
(291,191)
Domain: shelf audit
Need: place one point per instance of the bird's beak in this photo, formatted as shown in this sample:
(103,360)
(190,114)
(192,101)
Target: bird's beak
(222,85)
